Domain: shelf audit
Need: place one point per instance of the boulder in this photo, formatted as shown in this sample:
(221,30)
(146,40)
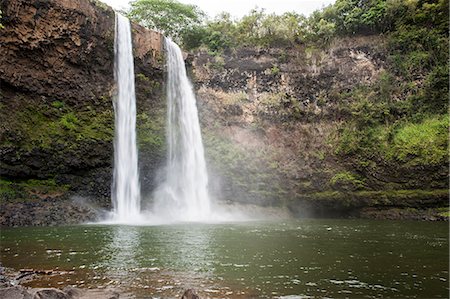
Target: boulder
(190,294)
(15,292)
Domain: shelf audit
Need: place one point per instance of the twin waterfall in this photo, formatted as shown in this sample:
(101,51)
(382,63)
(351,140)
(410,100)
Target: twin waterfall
(125,191)
(183,195)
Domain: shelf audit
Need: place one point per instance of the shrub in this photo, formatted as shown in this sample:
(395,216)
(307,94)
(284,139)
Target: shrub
(424,143)
(346,181)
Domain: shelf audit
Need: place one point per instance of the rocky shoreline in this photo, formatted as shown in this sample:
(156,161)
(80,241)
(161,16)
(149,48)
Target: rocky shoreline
(49,212)
(11,288)
(73,211)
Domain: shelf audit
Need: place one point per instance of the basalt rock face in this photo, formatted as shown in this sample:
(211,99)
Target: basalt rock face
(272,120)
(56,102)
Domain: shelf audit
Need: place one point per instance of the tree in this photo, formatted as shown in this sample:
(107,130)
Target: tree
(220,33)
(170,17)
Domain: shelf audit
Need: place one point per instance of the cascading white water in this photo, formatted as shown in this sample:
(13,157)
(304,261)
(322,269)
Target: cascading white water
(183,195)
(125,188)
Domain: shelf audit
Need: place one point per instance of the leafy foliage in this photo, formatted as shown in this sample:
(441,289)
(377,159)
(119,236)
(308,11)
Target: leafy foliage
(346,181)
(171,17)
(424,143)
(345,17)
(254,29)
(411,144)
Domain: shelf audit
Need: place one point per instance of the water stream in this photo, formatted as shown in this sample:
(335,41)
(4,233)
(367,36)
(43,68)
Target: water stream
(125,188)
(183,196)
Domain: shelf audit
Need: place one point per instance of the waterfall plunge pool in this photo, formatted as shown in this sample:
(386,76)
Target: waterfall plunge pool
(307,258)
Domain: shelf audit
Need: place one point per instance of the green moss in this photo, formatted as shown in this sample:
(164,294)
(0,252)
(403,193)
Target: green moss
(445,211)
(383,198)
(6,189)
(142,77)
(43,186)
(44,126)
(69,121)
(424,143)
(151,131)
(148,85)
(250,173)
(33,126)
(411,144)
(320,154)
(30,189)
(346,181)
(275,70)
(96,126)
(57,104)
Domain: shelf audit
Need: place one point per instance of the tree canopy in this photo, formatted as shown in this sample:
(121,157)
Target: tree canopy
(188,25)
(172,18)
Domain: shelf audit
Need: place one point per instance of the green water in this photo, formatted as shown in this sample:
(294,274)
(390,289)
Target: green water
(290,259)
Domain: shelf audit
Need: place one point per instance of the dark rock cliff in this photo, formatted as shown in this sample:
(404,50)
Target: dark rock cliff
(273,122)
(56,112)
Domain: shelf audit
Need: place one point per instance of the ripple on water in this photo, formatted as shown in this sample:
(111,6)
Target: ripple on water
(301,259)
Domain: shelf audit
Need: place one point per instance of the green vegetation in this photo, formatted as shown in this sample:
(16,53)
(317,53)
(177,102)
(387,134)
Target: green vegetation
(23,190)
(275,70)
(400,198)
(424,143)
(250,173)
(69,121)
(444,212)
(101,5)
(58,104)
(171,17)
(151,132)
(257,28)
(411,144)
(47,125)
(346,181)
(397,121)
(401,120)
(43,186)
(7,190)
(149,86)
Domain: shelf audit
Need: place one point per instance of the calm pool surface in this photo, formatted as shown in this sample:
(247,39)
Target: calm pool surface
(288,259)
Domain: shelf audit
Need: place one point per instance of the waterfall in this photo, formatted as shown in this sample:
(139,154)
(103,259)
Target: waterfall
(183,195)
(125,188)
